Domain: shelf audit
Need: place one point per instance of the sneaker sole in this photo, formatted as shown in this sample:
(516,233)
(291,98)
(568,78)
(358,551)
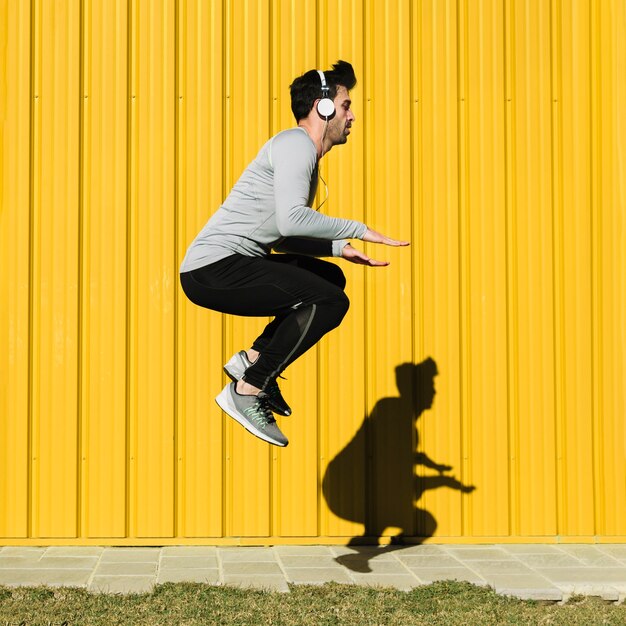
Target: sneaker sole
(223,401)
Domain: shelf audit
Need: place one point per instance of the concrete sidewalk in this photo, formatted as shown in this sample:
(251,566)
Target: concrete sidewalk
(540,572)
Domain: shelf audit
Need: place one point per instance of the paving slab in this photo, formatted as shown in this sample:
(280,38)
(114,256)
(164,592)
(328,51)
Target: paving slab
(531,548)
(610,594)
(317,576)
(431,560)
(361,565)
(304,550)
(548,560)
(308,561)
(428,575)
(127,555)
(589,555)
(579,549)
(472,553)
(31,552)
(67,562)
(122,584)
(188,562)
(126,569)
(209,576)
(18,562)
(606,592)
(526,587)
(617,551)
(54,578)
(246,555)
(585,575)
(418,549)
(498,567)
(251,569)
(73,551)
(264,583)
(370,552)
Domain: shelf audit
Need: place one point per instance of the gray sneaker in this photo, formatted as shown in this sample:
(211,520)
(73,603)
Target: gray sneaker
(253,413)
(235,369)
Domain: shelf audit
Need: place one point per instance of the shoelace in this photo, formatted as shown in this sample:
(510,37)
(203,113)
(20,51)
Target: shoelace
(260,413)
(273,390)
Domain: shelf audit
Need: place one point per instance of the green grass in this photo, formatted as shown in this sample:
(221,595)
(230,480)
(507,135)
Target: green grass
(444,603)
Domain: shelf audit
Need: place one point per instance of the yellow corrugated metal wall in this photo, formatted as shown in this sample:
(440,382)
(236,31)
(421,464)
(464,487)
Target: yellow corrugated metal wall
(491,133)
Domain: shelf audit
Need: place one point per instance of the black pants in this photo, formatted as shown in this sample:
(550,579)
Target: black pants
(304,294)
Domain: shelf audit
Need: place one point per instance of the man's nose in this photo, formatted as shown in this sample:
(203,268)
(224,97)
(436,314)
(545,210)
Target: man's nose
(351,116)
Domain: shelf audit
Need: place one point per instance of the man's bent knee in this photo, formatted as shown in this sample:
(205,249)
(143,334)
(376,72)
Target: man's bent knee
(339,306)
(337,276)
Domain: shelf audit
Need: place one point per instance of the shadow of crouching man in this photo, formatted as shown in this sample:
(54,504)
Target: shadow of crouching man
(373,480)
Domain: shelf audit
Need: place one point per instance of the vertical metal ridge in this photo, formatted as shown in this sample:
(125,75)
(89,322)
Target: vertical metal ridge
(367,201)
(592,365)
(226,514)
(80,263)
(274,474)
(417,154)
(557,249)
(34,461)
(417,283)
(414,438)
(224,499)
(320,448)
(175,448)
(595,189)
(511,276)
(317,30)
(464,287)
(127,330)
(270,63)
(31,261)
(618,192)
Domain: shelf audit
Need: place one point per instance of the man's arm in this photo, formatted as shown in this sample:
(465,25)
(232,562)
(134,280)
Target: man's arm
(294,160)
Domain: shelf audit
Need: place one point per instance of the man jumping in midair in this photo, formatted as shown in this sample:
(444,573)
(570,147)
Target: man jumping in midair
(229,267)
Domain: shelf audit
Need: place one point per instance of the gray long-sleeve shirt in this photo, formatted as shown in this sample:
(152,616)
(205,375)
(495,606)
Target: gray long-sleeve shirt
(269,207)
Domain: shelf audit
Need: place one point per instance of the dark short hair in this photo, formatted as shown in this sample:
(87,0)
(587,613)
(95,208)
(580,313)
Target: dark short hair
(306,89)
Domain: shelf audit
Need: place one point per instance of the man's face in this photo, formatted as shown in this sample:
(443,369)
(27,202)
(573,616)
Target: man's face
(339,126)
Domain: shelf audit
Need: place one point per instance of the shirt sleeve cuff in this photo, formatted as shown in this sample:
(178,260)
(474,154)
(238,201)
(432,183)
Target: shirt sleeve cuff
(339,245)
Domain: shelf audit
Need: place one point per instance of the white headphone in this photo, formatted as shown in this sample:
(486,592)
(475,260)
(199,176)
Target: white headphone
(325,107)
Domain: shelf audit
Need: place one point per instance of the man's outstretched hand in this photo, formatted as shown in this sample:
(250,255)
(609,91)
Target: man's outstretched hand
(360,258)
(373,237)
(356,256)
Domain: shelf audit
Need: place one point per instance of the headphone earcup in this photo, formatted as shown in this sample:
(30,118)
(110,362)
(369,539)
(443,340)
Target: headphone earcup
(326,107)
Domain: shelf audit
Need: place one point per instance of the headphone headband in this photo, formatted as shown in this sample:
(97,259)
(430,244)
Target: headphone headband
(325,107)
(323,79)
